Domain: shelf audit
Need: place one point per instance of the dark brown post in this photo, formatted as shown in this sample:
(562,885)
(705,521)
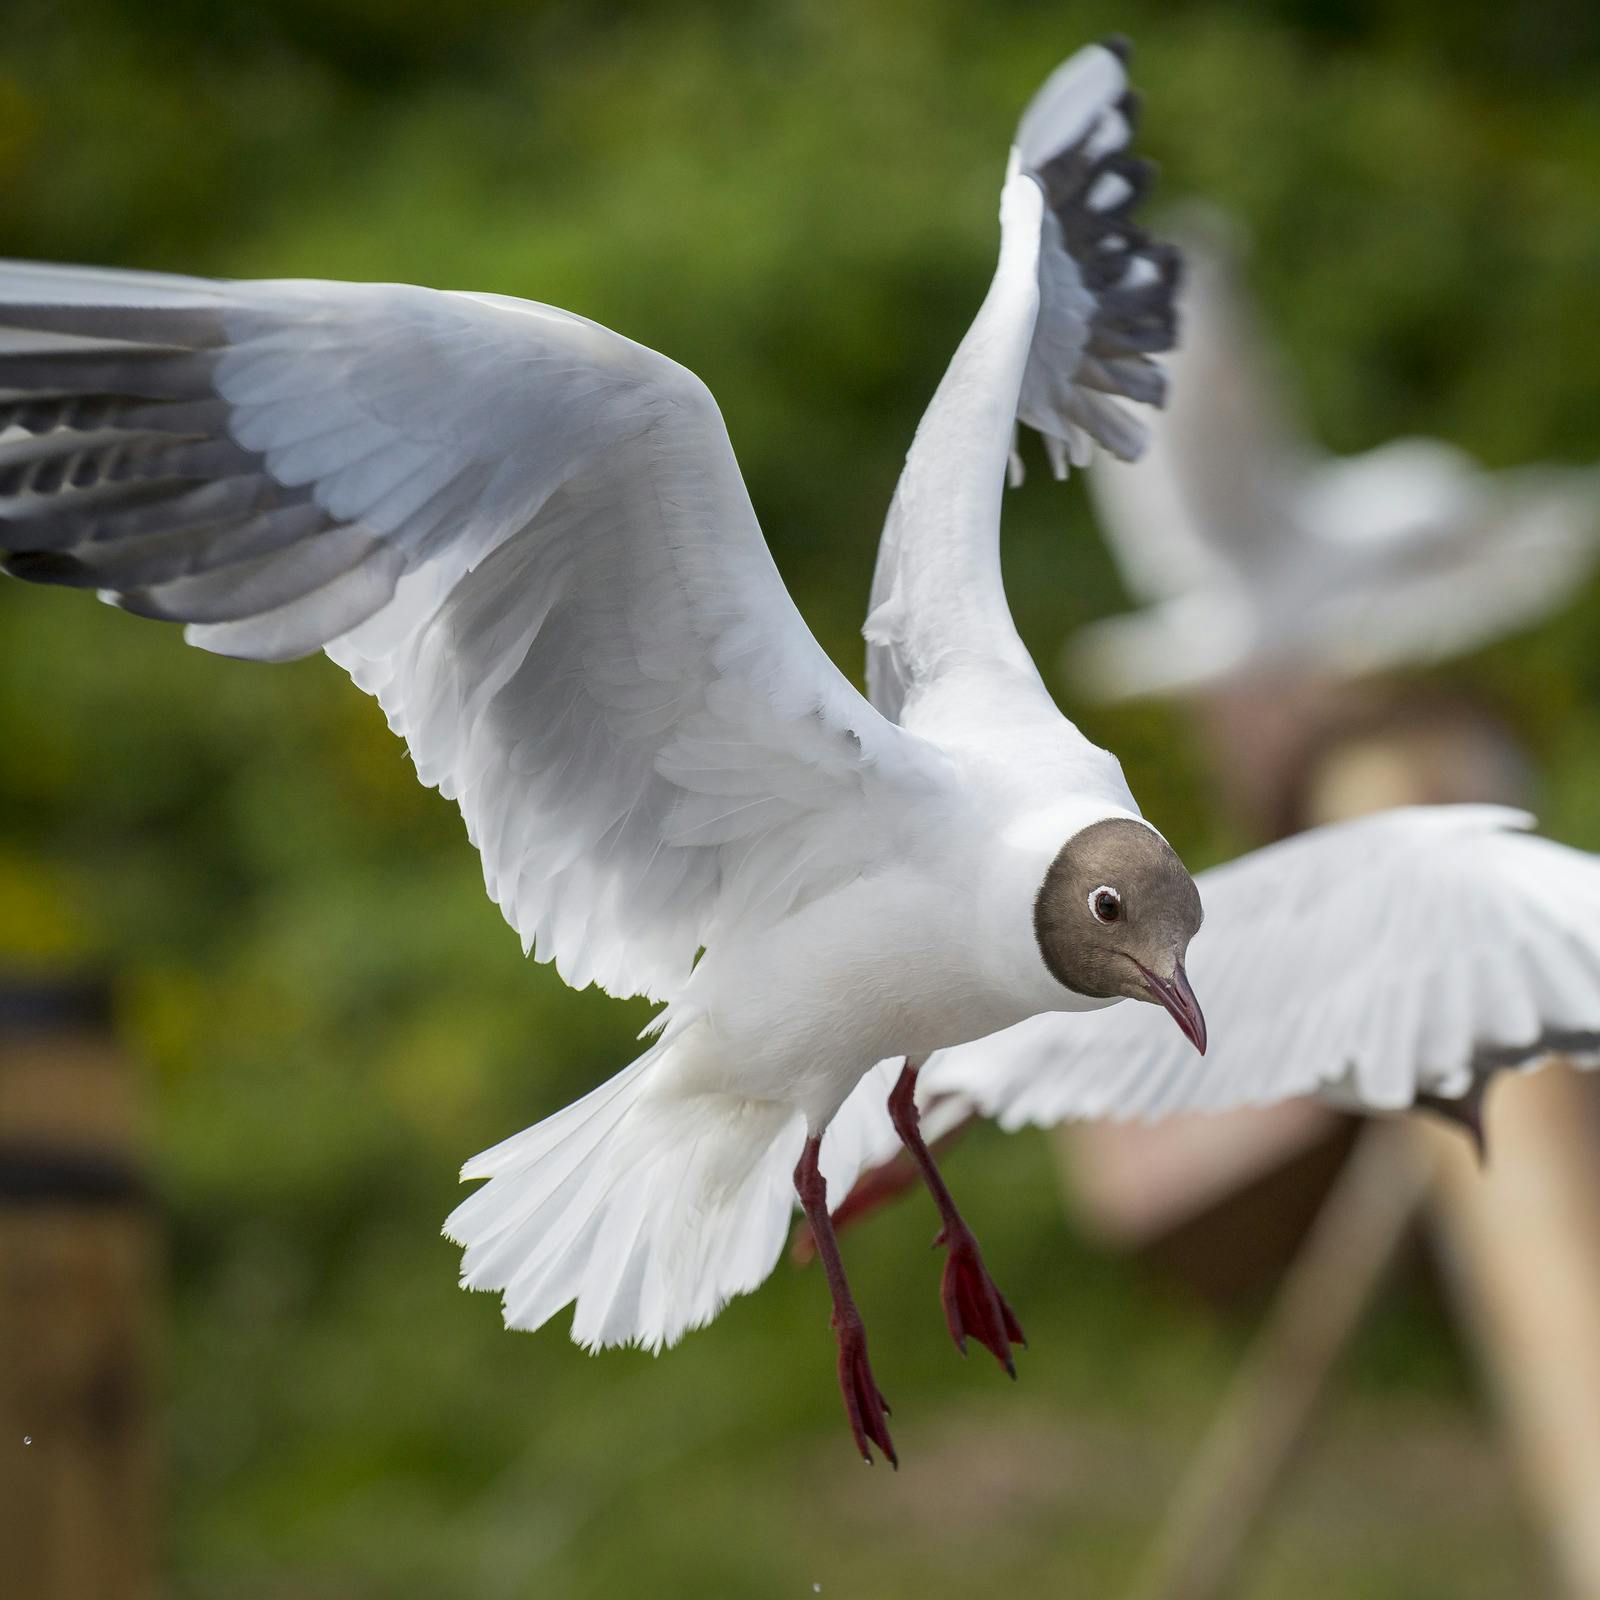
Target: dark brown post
(77,1295)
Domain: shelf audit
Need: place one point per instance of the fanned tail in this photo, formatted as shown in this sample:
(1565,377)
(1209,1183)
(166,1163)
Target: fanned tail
(648,1205)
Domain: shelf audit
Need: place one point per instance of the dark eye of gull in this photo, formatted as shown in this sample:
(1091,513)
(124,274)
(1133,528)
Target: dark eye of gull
(1105,903)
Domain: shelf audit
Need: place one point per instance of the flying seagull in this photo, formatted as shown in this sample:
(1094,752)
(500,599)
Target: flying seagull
(1398,959)
(1253,550)
(528,537)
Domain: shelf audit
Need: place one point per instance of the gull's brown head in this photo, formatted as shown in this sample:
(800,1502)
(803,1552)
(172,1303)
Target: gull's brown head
(1115,917)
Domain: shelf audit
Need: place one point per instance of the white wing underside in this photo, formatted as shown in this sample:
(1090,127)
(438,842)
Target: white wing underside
(1371,962)
(526,535)
(1080,300)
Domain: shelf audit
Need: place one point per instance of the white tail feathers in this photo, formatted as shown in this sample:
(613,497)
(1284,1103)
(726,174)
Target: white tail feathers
(648,1205)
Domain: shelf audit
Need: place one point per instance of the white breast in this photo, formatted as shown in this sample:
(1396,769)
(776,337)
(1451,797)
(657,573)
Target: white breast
(937,949)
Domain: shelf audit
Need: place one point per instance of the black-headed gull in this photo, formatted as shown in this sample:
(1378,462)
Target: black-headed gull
(1394,960)
(1254,551)
(528,537)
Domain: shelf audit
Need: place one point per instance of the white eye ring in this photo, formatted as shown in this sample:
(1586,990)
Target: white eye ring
(1099,909)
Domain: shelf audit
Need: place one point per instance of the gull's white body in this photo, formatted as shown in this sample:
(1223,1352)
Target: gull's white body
(1370,963)
(937,949)
(528,538)
(1253,551)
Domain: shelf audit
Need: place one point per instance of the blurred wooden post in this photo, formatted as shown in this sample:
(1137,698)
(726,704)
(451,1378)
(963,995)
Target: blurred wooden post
(77,1281)
(1521,1246)
(1522,1238)
(1240,1467)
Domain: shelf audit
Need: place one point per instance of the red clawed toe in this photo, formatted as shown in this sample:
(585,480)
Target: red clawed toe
(864,1404)
(973,1305)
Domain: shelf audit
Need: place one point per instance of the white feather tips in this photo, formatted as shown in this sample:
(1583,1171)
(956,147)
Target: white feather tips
(644,1207)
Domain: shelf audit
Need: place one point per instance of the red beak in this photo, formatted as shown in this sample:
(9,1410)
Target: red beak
(1179,999)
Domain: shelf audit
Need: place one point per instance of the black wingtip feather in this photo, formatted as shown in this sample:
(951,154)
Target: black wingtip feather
(48,566)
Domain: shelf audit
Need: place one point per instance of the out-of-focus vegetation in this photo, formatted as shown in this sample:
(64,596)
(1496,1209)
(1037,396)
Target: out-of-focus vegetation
(798,200)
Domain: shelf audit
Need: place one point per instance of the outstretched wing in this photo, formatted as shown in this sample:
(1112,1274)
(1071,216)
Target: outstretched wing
(1081,300)
(525,534)
(1370,962)
(1440,555)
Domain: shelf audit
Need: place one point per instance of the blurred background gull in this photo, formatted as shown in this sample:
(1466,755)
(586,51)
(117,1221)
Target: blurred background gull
(318,1009)
(1258,553)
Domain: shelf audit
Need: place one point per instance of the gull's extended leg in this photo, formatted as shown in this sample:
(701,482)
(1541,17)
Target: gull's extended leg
(972,1303)
(874,1189)
(863,1404)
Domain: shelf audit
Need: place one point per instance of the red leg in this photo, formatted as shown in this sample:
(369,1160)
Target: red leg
(863,1404)
(875,1188)
(972,1303)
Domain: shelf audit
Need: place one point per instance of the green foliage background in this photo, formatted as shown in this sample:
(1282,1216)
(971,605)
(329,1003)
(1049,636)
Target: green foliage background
(798,200)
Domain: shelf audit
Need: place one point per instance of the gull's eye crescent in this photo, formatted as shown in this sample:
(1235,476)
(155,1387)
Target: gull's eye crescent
(1105,903)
